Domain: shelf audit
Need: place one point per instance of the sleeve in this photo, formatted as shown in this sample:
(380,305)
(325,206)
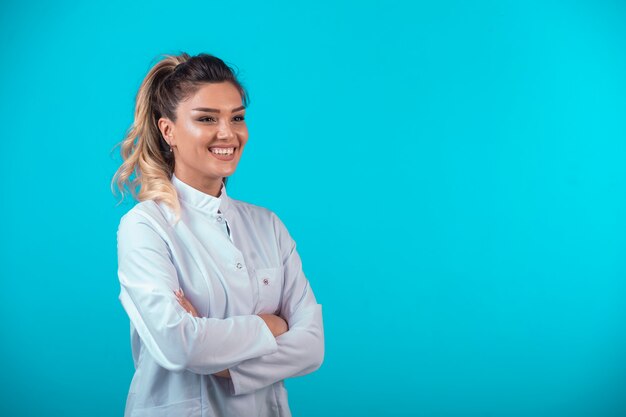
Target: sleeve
(174,338)
(301,348)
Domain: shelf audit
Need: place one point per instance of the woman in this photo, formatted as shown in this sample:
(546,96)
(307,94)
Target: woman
(220,310)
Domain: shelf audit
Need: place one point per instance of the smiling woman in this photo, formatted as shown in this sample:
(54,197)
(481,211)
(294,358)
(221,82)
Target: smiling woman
(219,307)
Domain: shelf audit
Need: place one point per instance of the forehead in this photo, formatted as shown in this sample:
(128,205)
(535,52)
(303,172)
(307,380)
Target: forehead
(222,95)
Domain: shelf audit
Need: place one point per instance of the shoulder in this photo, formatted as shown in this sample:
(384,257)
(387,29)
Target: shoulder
(253,211)
(147,222)
(266,218)
(145,211)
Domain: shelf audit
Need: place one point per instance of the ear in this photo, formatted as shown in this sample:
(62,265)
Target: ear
(166,126)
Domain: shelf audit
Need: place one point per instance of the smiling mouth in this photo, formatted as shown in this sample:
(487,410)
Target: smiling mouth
(222,151)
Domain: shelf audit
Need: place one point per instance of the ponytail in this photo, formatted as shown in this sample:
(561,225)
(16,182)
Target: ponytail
(145,153)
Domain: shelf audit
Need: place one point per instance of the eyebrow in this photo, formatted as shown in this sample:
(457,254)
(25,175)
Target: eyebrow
(210,110)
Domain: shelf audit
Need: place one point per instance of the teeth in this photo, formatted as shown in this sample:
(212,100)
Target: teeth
(222,151)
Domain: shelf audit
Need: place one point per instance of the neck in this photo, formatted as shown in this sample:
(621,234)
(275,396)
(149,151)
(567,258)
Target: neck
(211,186)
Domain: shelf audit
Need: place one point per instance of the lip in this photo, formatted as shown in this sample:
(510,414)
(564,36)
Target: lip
(222,146)
(223,157)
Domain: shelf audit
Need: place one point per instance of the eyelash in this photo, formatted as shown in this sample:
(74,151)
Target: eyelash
(241,118)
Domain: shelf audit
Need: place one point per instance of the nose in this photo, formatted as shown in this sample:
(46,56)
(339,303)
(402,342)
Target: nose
(224,131)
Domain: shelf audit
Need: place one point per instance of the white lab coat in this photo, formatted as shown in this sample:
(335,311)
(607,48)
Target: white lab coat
(229,280)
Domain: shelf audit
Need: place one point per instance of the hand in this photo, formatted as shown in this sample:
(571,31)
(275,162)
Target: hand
(223,374)
(277,325)
(180,296)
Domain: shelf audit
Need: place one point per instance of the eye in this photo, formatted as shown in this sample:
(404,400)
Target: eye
(239,118)
(206,119)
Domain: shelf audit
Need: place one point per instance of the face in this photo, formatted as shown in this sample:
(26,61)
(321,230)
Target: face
(208,136)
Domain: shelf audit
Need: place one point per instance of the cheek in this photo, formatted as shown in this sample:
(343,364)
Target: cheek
(243,136)
(194,133)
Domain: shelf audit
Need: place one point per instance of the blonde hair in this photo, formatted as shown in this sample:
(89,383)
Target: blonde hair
(148,163)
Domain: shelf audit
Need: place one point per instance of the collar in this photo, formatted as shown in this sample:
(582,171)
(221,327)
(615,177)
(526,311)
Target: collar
(200,200)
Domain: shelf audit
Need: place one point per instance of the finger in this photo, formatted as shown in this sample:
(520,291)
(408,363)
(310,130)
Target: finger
(187,306)
(183,302)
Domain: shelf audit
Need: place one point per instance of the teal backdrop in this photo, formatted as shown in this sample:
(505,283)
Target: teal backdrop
(453,173)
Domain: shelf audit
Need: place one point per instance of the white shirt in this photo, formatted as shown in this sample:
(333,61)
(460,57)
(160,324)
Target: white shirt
(229,280)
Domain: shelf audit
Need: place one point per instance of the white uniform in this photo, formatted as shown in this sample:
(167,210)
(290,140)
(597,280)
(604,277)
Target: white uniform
(229,280)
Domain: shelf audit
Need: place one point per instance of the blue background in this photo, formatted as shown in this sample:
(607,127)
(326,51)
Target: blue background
(453,173)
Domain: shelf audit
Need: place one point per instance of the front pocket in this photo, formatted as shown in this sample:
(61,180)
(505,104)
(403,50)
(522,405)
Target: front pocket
(270,287)
(192,407)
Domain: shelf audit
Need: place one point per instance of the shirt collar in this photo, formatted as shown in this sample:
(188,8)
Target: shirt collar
(199,199)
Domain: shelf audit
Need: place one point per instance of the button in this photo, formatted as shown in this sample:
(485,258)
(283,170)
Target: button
(239,265)
(219,219)
(266,281)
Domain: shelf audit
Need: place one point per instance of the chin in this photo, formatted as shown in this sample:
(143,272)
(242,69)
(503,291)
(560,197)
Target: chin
(227,173)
